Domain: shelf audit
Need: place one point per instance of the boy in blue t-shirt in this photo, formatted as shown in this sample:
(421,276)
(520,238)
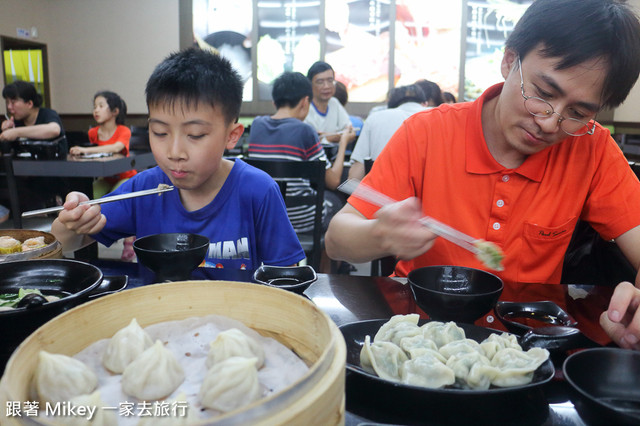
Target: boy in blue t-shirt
(194,99)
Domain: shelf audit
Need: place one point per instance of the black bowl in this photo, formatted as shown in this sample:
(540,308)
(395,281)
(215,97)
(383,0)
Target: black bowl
(292,278)
(454,293)
(71,280)
(172,257)
(605,385)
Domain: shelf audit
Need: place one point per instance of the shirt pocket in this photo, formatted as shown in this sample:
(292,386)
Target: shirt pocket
(543,250)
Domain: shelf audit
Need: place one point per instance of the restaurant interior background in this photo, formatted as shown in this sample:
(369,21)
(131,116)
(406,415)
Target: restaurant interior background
(91,45)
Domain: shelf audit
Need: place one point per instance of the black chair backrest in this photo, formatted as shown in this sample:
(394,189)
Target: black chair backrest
(314,172)
(139,139)
(9,188)
(368,163)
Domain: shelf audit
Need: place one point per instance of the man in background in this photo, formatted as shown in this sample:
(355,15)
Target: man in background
(326,114)
(404,101)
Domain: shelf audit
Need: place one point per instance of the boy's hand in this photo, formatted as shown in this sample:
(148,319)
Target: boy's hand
(85,219)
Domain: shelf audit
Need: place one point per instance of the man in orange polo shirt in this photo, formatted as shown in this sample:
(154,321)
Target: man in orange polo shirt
(519,166)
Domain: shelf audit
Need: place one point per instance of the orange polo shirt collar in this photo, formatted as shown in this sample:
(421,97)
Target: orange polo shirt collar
(478,158)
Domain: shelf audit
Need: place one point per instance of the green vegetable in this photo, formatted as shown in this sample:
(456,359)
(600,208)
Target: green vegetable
(10,300)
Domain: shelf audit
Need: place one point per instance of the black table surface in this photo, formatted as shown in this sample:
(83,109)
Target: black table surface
(76,166)
(346,299)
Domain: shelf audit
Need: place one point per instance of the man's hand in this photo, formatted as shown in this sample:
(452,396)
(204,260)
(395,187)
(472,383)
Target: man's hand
(9,134)
(400,231)
(8,124)
(621,321)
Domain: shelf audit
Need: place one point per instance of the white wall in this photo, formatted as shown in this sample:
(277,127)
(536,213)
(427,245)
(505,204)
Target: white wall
(629,111)
(96,45)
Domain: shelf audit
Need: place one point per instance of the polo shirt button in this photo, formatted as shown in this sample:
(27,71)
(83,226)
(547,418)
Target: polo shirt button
(496,226)
(505,178)
(500,203)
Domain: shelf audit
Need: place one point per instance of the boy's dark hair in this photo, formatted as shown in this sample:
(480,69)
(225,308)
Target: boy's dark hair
(23,90)
(403,94)
(431,91)
(194,76)
(578,30)
(317,68)
(448,97)
(289,88)
(341,93)
(114,101)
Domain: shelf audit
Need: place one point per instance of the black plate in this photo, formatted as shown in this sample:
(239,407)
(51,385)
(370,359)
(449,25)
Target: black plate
(406,404)
(545,312)
(292,278)
(109,285)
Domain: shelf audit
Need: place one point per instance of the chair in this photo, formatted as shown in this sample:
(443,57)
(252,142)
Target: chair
(9,191)
(139,139)
(314,172)
(385,265)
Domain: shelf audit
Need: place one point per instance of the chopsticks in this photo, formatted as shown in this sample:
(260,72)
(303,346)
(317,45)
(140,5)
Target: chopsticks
(479,247)
(161,188)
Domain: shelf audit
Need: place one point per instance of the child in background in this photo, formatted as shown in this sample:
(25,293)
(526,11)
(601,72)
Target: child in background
(194,99)
(109,136)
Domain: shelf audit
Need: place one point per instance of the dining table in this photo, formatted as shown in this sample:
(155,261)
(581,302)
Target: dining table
(81,170)
(353,298)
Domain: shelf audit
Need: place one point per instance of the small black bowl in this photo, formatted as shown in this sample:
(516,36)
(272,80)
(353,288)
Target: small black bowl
(292,278)
(538,314)
(172,257)
(454,293)
(605,385)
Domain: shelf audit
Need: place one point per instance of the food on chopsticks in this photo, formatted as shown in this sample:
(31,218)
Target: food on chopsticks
(211,365)
(438,354)
(12,300)
(489,254)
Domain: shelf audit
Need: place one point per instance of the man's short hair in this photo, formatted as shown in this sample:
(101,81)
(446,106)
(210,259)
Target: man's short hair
(403,94)
(289,88)
(317,68)
(579,30)
(432,91)
(194,76)
(22,90)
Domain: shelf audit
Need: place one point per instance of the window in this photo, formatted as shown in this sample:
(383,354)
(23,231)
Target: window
(373,45)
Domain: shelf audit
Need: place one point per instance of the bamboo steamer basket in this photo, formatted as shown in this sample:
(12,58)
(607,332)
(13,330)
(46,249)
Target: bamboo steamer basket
(318,398)
(52,250)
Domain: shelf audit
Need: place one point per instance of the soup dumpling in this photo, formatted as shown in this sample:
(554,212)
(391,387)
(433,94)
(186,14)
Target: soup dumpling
(59,378)
(154,374)
(234,342)
(231,384)
(125,346)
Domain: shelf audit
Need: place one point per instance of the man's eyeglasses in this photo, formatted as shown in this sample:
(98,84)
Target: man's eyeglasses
(541,108)
(322,82)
